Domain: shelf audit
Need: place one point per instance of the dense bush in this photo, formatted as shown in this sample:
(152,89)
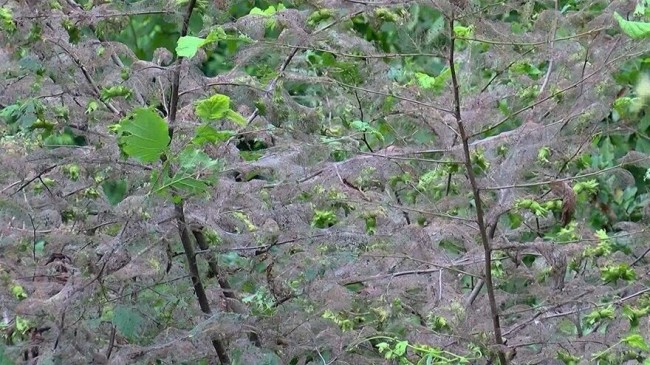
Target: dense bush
(324,182)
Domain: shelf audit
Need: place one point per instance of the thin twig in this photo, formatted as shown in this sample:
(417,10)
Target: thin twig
(384,276)
(351,55)
(38,176)
(498,73)
(559,92)
(428,212)
(576,177)
(539,43)
(397,157)
(10,186)
(552,46)
(398,97)
(87,76)
(272,84)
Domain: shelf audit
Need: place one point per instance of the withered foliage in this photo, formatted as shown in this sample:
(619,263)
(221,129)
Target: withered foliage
(405,250)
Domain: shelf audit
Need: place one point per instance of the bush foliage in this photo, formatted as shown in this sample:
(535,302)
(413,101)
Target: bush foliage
(324,182)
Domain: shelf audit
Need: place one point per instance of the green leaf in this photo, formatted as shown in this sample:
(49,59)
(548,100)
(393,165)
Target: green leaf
(196,172)
(365,127)
(636,30)
(196,161)
(386,15)
(525,68)
(436,83)
(642,88)
(323,218)
(127,321)
(600,315)
(7,22)
(144,135)
(567,358)
(207,134)
(425,81)
(436,29)
(257,11)
(320,15)
(92,106)
(18,292)
(636,341)
(115,91)
(74,33)
(463,32)
(10,113)
(216,35)
(612,273)
(589,187)
(642,8)
(39,247)
(188,183)
(543,154)
(633,315)
(382,346)
(400,348)
(212,108)
(23,324)
(236,117)
(65,138)
(114,190)
(188,46)
(271,10)
(515,219)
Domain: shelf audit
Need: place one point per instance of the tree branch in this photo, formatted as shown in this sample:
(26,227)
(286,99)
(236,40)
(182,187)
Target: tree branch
(487,250)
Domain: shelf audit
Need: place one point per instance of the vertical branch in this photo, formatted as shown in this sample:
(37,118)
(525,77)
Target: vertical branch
(176,74)
(199,290)
(480,219)
(232,302)
(179,206)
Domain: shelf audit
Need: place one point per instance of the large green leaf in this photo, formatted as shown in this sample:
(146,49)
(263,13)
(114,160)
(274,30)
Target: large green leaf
(195,174)
(236,117)
(212,108)
(144,136)
(636,30)
(636,341)
(195,161)
(208,134)
(188,46)
(216,107)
